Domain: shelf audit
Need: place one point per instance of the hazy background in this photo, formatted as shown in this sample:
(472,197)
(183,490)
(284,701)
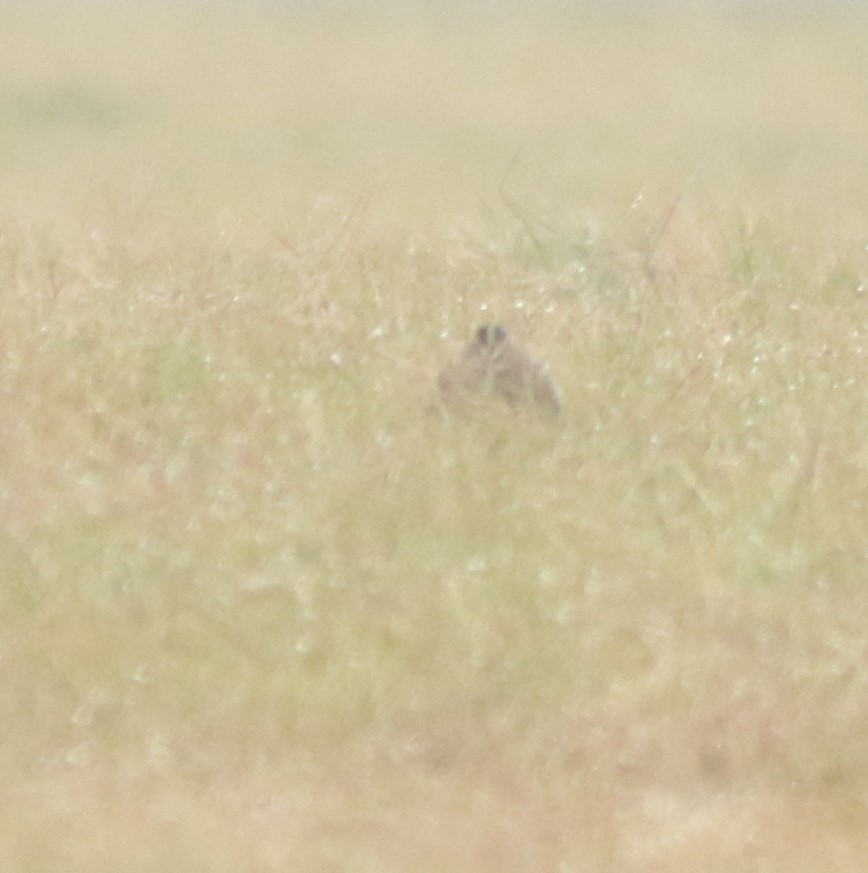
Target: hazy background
(264,607)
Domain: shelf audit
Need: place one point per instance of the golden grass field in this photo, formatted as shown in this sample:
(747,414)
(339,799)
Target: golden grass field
(262,611)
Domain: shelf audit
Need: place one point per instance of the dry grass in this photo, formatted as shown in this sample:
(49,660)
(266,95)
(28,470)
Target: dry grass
(262,611)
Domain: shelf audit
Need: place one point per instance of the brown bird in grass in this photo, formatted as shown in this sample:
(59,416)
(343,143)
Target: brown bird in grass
(492,366)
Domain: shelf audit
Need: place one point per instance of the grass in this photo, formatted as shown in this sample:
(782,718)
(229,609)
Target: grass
(263,610)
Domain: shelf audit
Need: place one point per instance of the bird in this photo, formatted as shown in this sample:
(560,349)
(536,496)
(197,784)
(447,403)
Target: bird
(493,367)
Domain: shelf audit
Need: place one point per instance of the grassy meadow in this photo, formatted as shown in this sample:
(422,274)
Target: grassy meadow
(262,610)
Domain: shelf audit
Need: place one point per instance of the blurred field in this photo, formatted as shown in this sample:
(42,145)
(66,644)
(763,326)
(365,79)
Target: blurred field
(260,611)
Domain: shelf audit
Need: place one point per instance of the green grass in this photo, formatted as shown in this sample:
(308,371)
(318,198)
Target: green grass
(263,608)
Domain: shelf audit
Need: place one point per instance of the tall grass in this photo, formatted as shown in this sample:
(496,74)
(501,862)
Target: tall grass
(261,609)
